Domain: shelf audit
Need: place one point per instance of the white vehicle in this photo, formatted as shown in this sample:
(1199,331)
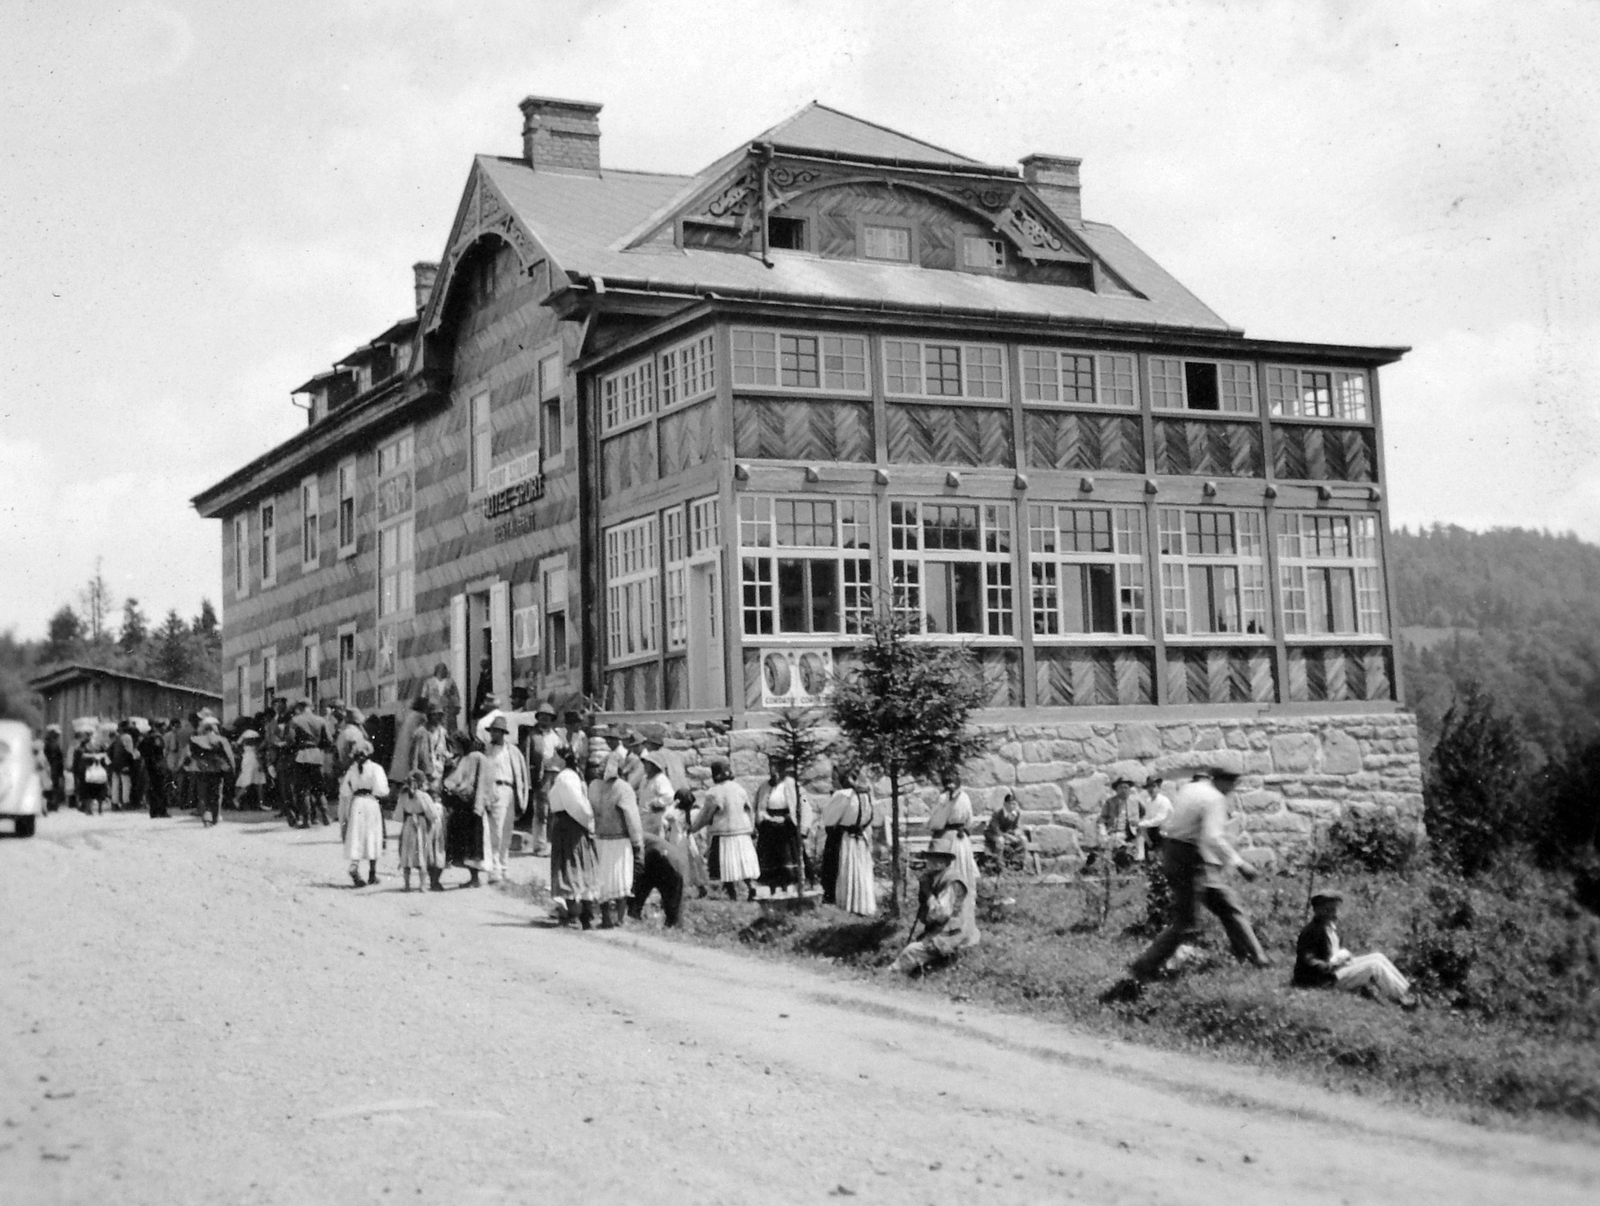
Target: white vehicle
(21,797)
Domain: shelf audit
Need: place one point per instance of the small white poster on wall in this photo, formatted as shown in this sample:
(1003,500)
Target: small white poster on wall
(795,678)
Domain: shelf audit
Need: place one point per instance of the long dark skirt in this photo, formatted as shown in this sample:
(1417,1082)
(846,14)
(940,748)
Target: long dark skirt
(574,860)
(830,862)
(463,838)
(778,852)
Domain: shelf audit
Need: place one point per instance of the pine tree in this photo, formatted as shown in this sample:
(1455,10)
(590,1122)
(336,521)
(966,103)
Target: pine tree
(135,629)
(65,639)
(97,602)
(174,661)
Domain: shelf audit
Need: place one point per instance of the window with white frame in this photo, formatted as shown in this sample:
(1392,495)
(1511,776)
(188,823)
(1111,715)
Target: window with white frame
(269,678)
(1078,379)
(387,664)
(1296,393)
(978,251)
(269,543)
(798,360)
(310,517)
(524,620)
(1088,571)
(686,371)
(1225,386)
(480,449)
(627,395)
(553,576)
(675,551)
(396,526)
(951,567)
(550,434)
(241,555)
(1329,573)
(914,368)
(880,242)
(632,590)
(705,527)
(347,666)
(347,507)
(311,671)
(805,565)
(1213,572)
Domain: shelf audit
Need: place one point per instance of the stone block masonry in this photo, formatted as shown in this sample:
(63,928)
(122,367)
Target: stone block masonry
(1302,772)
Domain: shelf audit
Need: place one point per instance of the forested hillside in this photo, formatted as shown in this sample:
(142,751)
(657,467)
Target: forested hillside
(1516,610)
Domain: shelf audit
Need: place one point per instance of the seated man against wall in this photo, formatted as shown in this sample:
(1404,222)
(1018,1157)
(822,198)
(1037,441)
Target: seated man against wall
(1321,962)
(1003,837)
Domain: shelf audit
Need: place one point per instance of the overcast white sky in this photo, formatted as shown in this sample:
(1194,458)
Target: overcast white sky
(202,204)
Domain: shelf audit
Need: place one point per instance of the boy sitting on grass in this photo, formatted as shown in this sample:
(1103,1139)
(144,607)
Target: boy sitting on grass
(1320,962)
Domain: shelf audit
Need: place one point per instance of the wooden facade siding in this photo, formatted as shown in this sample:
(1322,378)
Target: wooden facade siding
(635,688)
(1217,674)
(1060,439)
(1087,677)
(628,460)
(791,429)
(752,679)
(1324,453)
(1331,674)
(676,682)
(838,213)
(922,434)
(687,437)
(1208,448)
(1002,676)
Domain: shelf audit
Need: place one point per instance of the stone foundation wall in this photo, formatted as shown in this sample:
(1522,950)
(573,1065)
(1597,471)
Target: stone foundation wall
(1301,772)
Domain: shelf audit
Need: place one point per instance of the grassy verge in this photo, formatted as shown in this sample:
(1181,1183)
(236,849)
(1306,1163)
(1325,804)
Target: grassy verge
(1509,1023)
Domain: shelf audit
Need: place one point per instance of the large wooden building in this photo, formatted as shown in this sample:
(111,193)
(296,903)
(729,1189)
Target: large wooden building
(664,442)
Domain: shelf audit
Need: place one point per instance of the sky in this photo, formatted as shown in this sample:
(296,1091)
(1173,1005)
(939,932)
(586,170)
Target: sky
(204,204)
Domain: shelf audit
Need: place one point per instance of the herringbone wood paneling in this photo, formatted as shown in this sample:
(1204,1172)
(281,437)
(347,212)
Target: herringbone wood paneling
(1217,674)
(1074,677)
(1002,675)
(1307,452)
(1208,449)
(688,438)
(1332,674)
(802,430)
(627,460)
(949,435)
(1058,439)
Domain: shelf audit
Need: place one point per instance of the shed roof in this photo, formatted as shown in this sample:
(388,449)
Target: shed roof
(69,672)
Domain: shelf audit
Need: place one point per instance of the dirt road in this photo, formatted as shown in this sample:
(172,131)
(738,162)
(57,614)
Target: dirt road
(216,1016)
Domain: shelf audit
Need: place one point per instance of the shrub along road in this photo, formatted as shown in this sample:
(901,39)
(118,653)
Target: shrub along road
(208,1015)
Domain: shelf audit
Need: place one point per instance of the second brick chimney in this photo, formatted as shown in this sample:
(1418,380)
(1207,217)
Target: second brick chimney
(561,135)
(423,274)
(1055,179)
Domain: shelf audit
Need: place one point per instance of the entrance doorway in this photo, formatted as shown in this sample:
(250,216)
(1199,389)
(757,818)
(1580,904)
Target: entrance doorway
(707,677)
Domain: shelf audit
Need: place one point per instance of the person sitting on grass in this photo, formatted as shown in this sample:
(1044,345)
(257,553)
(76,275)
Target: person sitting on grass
(946,909)
(1320,962)
(1003,836)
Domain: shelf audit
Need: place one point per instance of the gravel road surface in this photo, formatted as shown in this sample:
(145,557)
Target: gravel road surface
(195,1015)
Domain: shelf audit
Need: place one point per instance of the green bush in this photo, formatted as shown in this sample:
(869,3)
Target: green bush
(1473,801)
(1373,842)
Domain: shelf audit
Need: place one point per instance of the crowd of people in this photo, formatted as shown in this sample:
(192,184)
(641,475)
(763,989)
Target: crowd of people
(620,821)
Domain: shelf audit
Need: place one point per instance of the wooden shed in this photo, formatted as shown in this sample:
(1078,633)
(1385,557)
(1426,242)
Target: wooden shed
(72,691)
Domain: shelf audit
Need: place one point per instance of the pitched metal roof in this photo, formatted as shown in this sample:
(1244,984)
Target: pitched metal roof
(819,128)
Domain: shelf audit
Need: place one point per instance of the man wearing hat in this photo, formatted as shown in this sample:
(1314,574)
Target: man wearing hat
(1195,854)
(543,743)
(1320,961)
(1118,816)
(308,738)
(505,765)
(946,910)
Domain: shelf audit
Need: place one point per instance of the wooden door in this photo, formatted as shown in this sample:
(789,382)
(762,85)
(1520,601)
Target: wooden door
(707,677)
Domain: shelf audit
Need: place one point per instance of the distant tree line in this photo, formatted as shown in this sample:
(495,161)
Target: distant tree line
(117,635)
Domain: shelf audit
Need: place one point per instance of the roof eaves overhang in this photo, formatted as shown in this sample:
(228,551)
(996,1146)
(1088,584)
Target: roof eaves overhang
(401,397)
(937,167)
(696,303)
(71,671)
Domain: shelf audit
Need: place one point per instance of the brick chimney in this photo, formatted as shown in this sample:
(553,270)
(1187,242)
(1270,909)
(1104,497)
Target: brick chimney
(561,135)
(1055,179)
(422,278)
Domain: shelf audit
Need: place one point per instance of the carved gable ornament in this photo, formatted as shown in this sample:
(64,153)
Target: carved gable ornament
(485,212)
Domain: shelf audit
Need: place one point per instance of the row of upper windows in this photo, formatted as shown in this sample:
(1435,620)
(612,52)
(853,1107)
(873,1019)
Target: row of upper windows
(915,368)
(806,568)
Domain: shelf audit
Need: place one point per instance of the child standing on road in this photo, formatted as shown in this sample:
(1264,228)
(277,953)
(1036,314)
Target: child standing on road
(363,785)
(420,816)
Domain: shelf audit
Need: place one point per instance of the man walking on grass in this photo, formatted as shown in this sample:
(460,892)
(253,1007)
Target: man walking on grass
(1195,854)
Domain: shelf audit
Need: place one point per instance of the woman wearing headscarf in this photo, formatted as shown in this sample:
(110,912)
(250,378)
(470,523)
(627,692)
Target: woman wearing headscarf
(618,839)
(950,818)
(212,758)
(464,822)
(778,831)
(574,858)
(852,812)
(419,819)
(360,813)
(730,816)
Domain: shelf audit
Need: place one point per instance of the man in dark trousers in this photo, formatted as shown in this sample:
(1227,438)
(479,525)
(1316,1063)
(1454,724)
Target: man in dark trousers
(309,739)
(662,868)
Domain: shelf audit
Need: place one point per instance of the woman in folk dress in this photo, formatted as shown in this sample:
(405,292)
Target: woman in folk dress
(950,818)
(853,889)
(360,814)
(574,859)
(419,845)
(618,839)
(730,816)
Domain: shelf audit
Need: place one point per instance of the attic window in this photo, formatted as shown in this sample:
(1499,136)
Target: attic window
(886,243)
(988,255)
(786,234)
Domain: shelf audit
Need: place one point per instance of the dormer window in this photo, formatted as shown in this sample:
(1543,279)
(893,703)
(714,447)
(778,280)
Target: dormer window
(891,243)
(786,234)
(984,254)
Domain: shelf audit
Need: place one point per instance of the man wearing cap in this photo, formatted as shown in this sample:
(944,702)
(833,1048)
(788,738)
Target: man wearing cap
(1194,854)
(946,910)
(1320,961)
(360,813)
(731,817)
(508,770)
(308,737)
(577,730)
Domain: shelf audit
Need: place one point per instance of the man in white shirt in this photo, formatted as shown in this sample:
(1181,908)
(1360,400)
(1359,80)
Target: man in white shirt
(510,796)
(1195,853)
